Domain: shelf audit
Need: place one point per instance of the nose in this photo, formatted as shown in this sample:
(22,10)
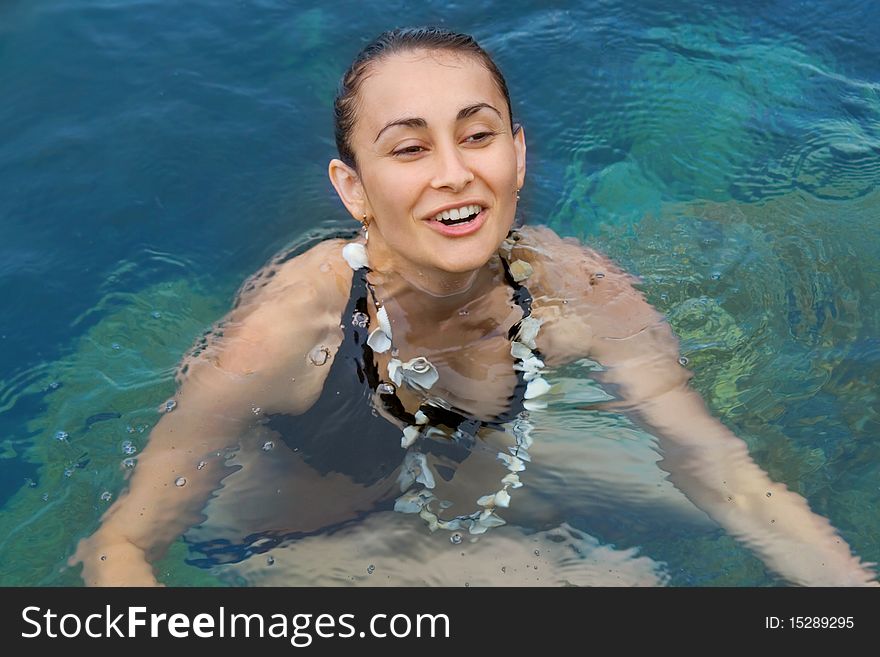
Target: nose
(452,172)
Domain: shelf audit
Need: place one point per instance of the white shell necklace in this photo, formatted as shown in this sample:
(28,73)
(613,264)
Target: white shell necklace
(419,374)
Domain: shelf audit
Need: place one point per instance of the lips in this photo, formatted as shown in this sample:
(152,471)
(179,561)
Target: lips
(459,229)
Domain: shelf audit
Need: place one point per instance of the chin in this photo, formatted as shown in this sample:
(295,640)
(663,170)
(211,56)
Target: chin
(466,263)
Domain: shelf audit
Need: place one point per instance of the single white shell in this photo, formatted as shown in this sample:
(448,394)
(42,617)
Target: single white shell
(520,453)
(418,372)
(409,436)
(394,372)
(502,498)
(486,500)
(528,331)
(511,462)
(378,341)
(529,364)
(520,270)
(424,475)
(536,388)
(477,528)
(512,480)
(524,440)
(384,322)
(430,518)
(489,519)
(409,503)
(355,255)
(421,418)
(521,351)
(534,405)
(409,469)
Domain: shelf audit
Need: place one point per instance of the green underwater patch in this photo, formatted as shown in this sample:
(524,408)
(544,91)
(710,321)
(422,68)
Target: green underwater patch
(107,395)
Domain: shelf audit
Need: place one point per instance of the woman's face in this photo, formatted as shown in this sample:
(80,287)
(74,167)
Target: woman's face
(432,134)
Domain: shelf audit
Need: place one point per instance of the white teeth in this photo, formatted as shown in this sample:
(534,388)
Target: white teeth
(457,213)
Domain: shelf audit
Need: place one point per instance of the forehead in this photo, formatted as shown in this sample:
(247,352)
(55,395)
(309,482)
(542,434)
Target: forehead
(428,84)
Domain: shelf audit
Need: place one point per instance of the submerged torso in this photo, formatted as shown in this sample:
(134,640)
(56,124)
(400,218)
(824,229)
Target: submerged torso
(317,490)
(305,474)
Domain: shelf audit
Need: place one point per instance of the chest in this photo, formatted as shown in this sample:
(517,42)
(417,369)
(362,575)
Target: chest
(472,358)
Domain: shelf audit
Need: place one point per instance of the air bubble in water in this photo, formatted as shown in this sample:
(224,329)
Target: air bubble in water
(455,539)
(106,496)
(769,493)
(715,275)
(155,314)
(270,560)
(115,346)
(360,319)
(61,435)
(170,405)
(128,464)
(128,447)
(370,569)
(201,465)
(268,446)
(180,482)
(45,497)
(683,361)
(68,472)
(537,553)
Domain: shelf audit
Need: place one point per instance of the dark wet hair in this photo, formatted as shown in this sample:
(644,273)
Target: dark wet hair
(392,42)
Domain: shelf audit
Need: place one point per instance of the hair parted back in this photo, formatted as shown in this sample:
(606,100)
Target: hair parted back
(387,44)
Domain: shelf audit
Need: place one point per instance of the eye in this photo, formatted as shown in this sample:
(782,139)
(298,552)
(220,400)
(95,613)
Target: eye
(480,136)
(408,150)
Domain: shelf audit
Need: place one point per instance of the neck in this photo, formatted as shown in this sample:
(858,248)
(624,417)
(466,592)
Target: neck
(433,295)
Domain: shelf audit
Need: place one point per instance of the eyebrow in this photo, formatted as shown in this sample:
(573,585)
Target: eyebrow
(418,122)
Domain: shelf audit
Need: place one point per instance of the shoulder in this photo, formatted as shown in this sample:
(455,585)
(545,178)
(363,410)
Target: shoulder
(319,269)
(563,265)
(284,308)
(582,296)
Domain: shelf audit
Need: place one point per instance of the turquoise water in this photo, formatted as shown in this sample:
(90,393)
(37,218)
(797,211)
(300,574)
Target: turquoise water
(153,154)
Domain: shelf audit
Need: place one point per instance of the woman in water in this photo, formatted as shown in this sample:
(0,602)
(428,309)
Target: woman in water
(451,320)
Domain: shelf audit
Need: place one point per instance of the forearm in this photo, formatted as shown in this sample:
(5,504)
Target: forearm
(174,477)
(712,466)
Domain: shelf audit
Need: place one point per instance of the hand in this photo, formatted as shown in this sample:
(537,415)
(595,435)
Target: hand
(112,561)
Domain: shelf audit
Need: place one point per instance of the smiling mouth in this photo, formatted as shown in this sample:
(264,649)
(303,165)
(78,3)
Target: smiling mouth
(458,216)
(455,222)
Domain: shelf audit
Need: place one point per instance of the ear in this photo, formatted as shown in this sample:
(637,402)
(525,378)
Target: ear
(519,145)
(348,185)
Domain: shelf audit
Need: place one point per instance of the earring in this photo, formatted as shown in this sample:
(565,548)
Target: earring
(517,195)
(365,224)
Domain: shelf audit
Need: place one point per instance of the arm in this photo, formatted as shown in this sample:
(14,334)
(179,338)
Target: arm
(261,360)
(611,322)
